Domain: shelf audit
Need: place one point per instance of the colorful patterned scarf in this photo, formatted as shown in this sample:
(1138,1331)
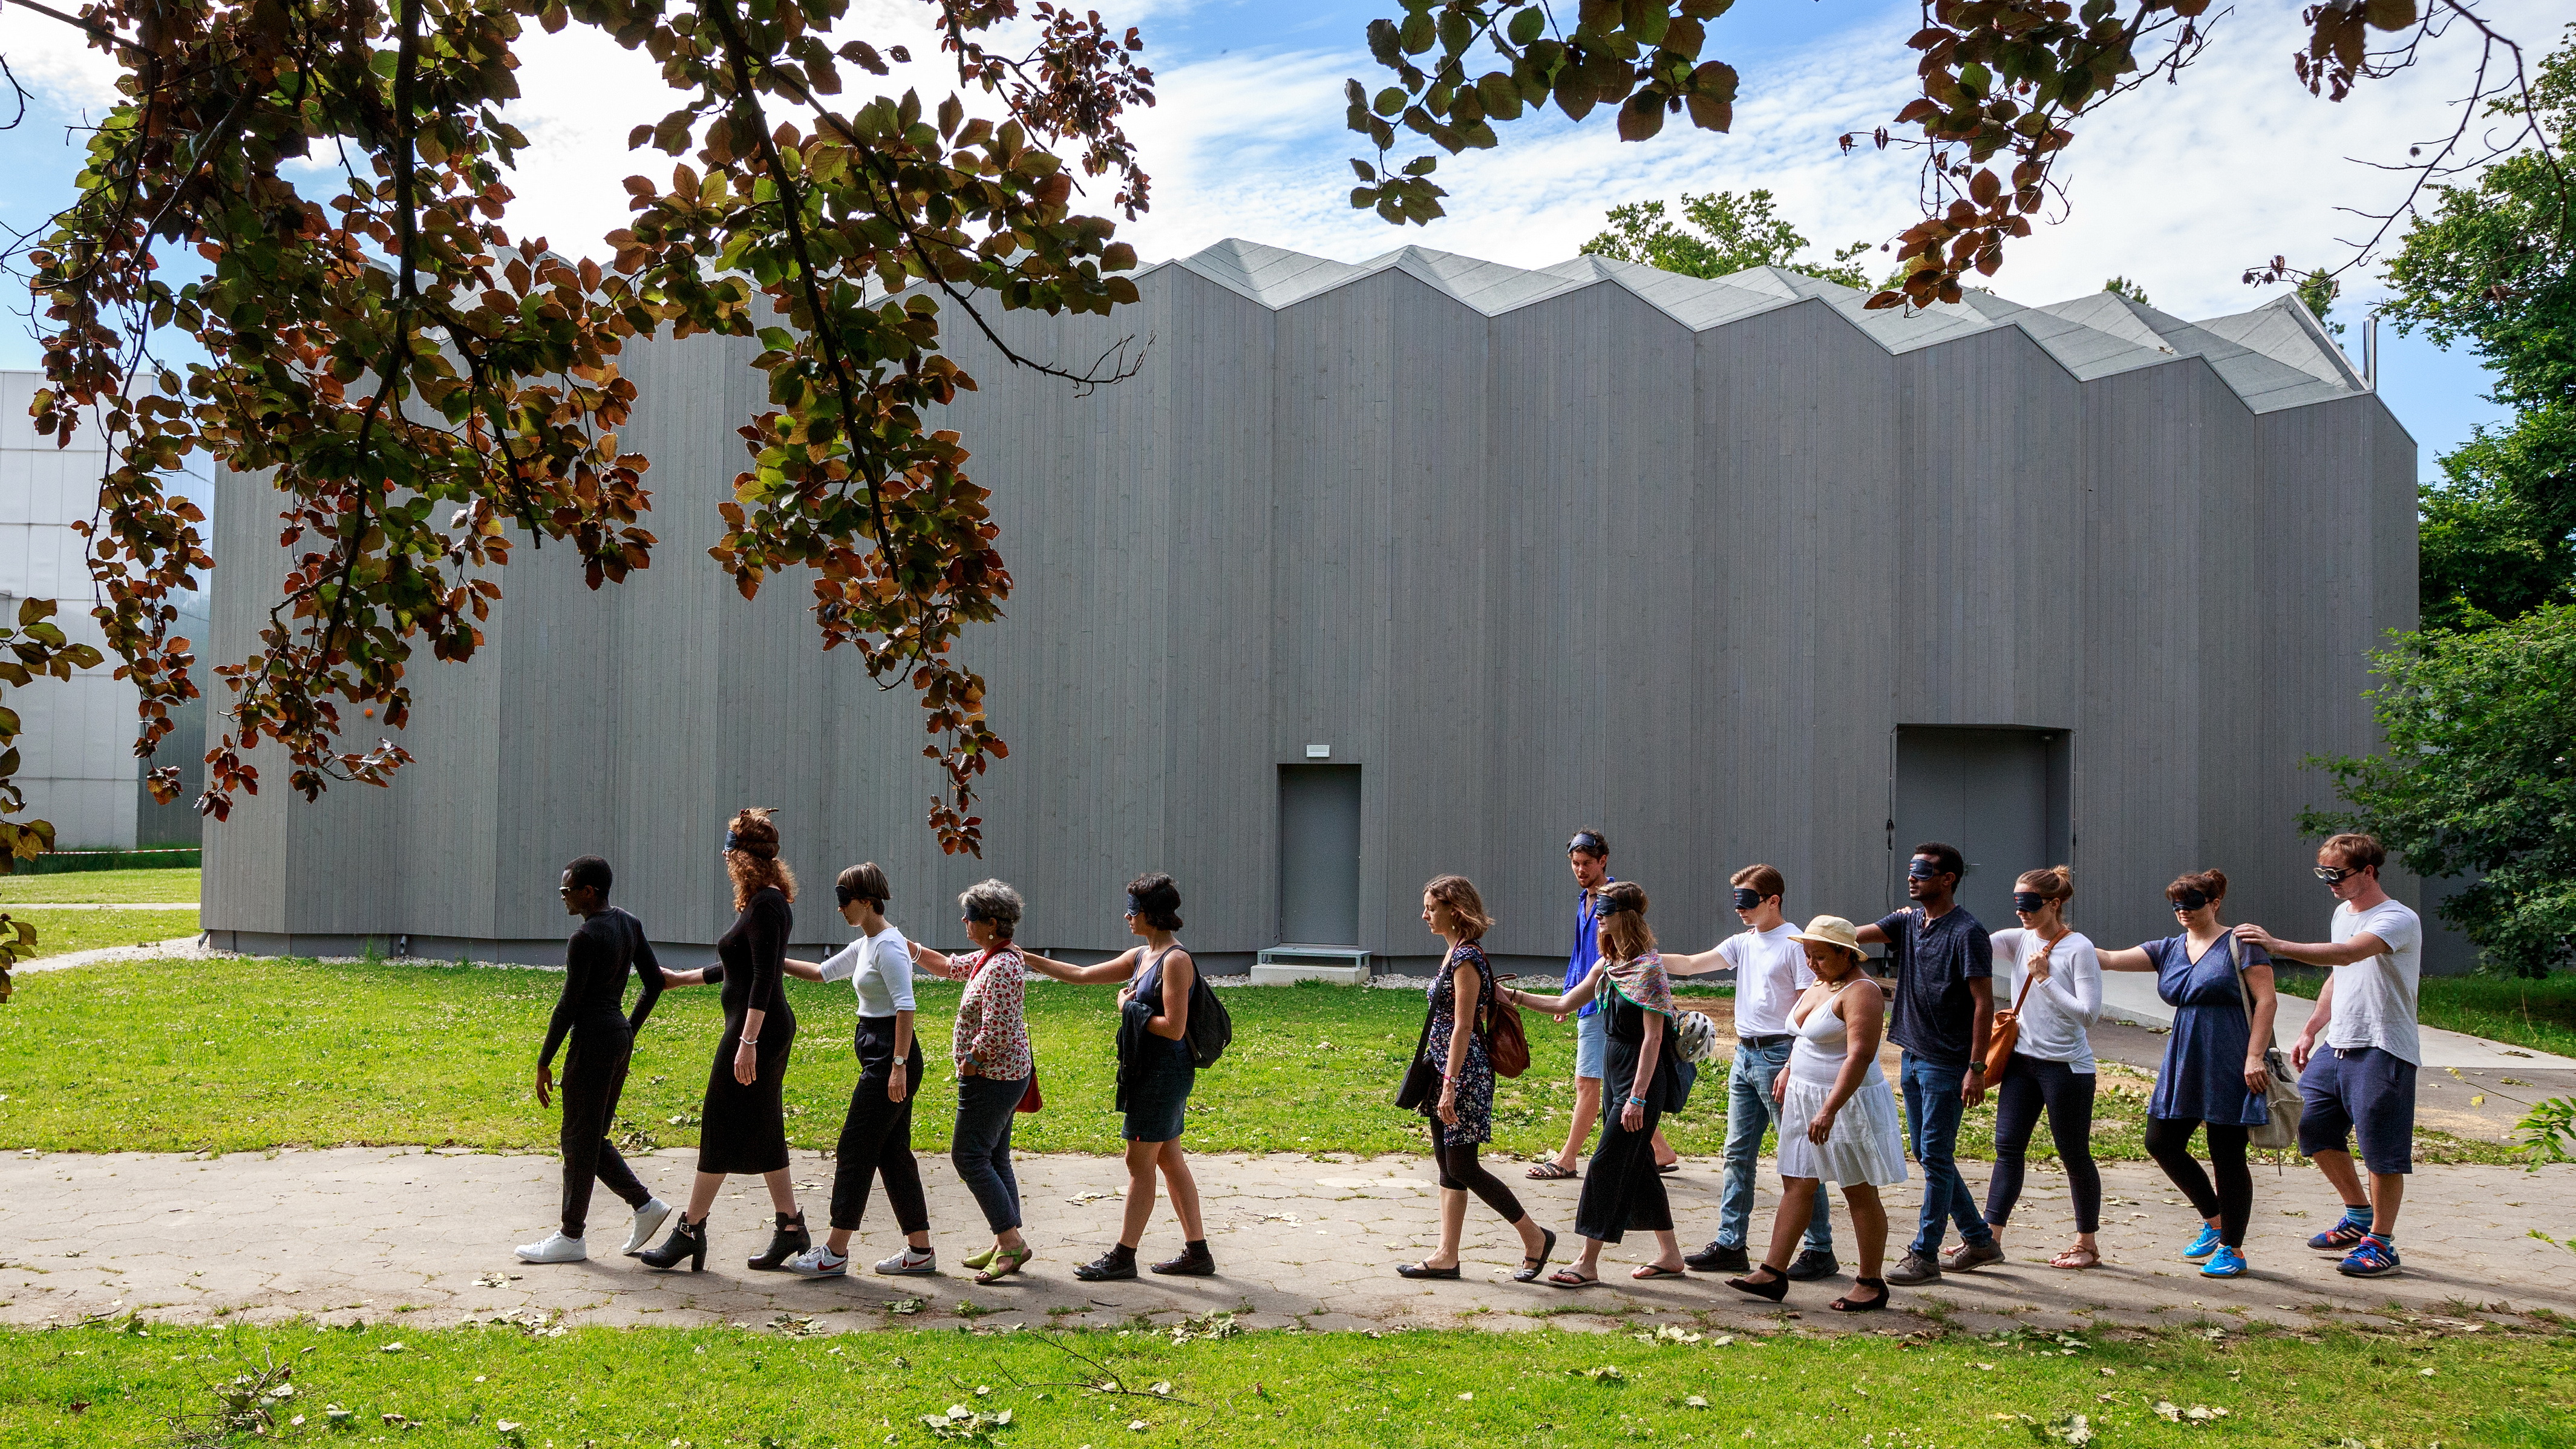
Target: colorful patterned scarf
(1644,982)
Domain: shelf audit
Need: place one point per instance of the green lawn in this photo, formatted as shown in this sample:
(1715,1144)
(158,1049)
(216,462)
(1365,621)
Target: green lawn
(701,1388)
(101,887)
(2537,1014)
(58,932)
(244,1055)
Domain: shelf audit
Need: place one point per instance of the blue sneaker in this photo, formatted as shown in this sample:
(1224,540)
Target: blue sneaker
(2375,1256)
(2202,1246)
(2342,1238)
(2225,1263)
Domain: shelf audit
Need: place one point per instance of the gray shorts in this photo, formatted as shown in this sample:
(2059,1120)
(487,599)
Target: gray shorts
(1591,1045)
(2359,1092)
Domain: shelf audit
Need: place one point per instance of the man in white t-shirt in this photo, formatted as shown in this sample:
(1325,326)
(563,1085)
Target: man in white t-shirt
(2363,1084)
(1770,971)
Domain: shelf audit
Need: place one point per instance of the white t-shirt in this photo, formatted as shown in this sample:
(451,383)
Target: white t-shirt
(878,968)
(2057,1012)
(1770,971)
(2374,997)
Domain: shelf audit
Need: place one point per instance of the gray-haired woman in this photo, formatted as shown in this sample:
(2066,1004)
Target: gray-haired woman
(994,1065)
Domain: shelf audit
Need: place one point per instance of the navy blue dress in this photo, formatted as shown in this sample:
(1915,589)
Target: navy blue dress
(1155,1073)
(2203,1077)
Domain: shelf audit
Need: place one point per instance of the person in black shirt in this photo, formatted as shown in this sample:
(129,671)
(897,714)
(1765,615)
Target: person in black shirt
(603,1037)
(743,1126)
(1943,965)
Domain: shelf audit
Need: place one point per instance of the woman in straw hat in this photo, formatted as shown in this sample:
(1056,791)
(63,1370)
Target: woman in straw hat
(1837,1117)
(1622,1188)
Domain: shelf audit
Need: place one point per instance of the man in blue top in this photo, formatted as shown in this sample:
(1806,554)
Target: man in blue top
(1589,856)
(1943,964)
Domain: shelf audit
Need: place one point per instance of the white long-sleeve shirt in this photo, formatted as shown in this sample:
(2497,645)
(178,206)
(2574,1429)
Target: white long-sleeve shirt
(2057,1012)
(878,968)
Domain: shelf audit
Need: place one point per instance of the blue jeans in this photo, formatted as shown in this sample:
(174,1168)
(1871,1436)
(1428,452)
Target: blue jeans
(1749,1113)
(1932,1112)
(981,1146)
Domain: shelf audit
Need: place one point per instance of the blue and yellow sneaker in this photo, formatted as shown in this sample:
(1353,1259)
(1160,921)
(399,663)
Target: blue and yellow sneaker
(2225,1263)
(2202,1246)
(2375,1256)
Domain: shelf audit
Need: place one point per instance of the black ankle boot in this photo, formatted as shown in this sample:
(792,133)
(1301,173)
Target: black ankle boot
(688,1241)
(787,1240)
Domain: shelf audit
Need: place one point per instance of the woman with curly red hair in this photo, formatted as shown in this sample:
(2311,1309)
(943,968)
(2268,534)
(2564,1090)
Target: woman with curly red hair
(743,1126)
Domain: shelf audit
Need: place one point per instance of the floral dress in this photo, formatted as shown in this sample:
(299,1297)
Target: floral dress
(1475,1122)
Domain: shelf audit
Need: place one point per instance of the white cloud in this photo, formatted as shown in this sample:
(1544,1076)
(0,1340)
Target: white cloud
(55,61)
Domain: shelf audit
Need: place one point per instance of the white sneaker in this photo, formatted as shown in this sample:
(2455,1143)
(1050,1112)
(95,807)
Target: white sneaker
(911,1261)
(555,1249)
(648,1221)
(817,1261)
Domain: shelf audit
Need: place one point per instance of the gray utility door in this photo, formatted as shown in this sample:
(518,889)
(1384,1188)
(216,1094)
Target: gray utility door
(1998,795)
(1319,855)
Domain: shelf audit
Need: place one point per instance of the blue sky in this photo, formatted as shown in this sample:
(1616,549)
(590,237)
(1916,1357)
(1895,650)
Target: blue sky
(2178,188)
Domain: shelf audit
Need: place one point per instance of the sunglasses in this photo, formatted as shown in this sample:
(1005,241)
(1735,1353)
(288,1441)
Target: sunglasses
(2334,874)
(2029,902)
(2188,900)
(1747,899)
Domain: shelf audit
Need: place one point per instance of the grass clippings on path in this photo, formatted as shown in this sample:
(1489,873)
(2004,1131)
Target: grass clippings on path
(2511,1009)
(102,887)
(243,1055)
(59,933)
(702,1388)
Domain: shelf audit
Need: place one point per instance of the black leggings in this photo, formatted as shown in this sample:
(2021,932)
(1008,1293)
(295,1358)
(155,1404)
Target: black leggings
(1461,1172)
(2030,1084)
(2232,1200)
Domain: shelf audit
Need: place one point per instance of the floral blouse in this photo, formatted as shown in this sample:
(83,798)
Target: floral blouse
(992,1036)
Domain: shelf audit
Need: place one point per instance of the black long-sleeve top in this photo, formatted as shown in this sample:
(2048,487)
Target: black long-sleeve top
(595,964)
(754,954)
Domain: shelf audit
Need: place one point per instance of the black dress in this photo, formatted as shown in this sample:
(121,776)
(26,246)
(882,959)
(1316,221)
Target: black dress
(744,1129)
(1622,1189)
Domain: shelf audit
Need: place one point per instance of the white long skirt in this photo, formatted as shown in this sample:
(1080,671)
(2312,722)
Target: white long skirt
(1867,1144)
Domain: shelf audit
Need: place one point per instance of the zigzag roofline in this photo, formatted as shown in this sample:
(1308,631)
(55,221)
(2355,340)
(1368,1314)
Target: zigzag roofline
(2274,356)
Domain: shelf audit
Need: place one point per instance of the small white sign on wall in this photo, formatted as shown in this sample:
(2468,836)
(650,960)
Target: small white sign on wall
(1319,752)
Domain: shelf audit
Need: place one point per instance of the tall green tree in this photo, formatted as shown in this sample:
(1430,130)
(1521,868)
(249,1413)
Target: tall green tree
(2494,266)
(1717,235)
(2479,777)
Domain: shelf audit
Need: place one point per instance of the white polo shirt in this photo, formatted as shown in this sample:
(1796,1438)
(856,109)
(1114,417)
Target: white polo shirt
(1770,972)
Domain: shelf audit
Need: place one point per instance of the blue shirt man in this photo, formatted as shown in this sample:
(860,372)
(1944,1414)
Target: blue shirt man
(1588,855)
(1943,963)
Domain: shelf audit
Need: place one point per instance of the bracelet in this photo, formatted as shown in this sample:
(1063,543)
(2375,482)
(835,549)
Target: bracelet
(1636,1101)
(749,1041)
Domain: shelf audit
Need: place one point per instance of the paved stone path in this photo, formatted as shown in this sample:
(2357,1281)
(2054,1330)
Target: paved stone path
(405,1235)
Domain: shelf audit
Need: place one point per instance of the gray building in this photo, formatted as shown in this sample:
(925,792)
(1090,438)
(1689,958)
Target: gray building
(76,740)
(1383,570)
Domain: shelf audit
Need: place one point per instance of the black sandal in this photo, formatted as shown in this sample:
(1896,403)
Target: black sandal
(1849,1304)
(1531,1267)
(1425,1270)
(1775,1287)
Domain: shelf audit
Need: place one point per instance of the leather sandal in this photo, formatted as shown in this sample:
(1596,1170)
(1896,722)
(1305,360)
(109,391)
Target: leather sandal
(1849,1304)
(1425,1270)
(1530,1268)
(1005,1262)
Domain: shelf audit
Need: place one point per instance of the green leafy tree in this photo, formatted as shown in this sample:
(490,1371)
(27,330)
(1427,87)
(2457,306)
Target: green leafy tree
(425,390)
(2126,288)
(1718,235)
(2003,84)
(2494,265)
(2479,776)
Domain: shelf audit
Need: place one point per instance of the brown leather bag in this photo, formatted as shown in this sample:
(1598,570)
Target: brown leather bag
(1506,1044)
(2006,1031)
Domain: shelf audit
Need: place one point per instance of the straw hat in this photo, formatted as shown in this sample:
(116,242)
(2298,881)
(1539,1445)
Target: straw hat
(1832,931)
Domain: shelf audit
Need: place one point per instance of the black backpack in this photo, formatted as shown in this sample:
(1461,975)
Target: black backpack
(1211,1030)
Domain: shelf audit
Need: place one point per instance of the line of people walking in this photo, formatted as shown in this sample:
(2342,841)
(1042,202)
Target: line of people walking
(1805,1063)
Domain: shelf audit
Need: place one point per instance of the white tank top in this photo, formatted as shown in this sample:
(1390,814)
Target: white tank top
(1816,1058)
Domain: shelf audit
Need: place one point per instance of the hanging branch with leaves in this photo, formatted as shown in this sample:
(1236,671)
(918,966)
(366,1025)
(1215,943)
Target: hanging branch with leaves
(2003,84)
(422,391)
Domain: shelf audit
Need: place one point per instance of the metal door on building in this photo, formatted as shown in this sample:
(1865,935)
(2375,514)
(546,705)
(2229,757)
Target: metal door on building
(1999,795)
(1319,855)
